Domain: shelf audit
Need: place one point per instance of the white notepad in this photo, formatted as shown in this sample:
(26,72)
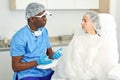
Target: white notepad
(51,65)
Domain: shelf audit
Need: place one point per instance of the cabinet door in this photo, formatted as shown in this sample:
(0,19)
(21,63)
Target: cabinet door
(6,72)
(60,4)
(21,4)
(86,4)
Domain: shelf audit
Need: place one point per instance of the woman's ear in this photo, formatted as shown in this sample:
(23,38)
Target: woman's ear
(94,24)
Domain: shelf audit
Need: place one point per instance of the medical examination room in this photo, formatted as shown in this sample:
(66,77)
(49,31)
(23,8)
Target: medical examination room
(83,40)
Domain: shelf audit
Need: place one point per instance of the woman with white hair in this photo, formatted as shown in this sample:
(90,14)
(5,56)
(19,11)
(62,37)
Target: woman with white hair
(89,56)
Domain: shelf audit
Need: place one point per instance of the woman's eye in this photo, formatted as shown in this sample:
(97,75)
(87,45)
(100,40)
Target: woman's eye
(84,20)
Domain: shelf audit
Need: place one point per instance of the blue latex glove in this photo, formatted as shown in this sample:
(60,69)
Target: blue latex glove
(57,54)
(44,60)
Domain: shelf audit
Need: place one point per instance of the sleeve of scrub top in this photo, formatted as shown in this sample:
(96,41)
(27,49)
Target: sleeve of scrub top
(17,47)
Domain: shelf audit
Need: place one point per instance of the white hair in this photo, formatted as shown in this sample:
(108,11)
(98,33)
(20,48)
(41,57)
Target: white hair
(94,17)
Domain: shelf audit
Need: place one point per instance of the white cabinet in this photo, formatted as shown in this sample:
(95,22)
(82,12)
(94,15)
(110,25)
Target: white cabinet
(60,4)
(6,72)
(21,4)
(86,4)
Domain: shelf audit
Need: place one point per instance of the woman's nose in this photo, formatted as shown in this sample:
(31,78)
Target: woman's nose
(82,23)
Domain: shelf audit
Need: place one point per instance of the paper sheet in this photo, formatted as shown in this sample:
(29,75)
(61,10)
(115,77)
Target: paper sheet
(51,65)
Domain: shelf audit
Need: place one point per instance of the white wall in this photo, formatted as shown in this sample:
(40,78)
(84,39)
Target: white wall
(117,18)
(62,22)
(113,7)
(10,20)
(114,10)
(6,72)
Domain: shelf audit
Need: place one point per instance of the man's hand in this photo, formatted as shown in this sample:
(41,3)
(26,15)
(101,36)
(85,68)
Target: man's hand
(57,54)
(44,60)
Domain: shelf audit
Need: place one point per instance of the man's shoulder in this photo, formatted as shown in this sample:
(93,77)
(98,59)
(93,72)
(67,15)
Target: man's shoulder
(20,32)
(23,29)
(45,29)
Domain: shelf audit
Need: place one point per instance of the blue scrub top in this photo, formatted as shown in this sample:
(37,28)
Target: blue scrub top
(26,44)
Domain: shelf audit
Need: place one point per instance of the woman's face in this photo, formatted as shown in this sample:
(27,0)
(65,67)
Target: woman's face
(86,24)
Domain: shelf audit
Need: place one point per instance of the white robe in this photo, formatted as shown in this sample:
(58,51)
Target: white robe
(88,57)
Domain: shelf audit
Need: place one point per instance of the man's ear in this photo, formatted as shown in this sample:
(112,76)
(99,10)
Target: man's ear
(31,19)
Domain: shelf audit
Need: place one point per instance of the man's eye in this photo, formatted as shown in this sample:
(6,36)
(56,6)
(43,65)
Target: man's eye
(44,16)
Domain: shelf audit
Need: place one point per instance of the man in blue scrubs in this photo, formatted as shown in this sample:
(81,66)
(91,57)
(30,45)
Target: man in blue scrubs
(30,47)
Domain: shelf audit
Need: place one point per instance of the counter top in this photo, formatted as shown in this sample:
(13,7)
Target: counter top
(55,41)
(4,49)
(60,43)
(53,44)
